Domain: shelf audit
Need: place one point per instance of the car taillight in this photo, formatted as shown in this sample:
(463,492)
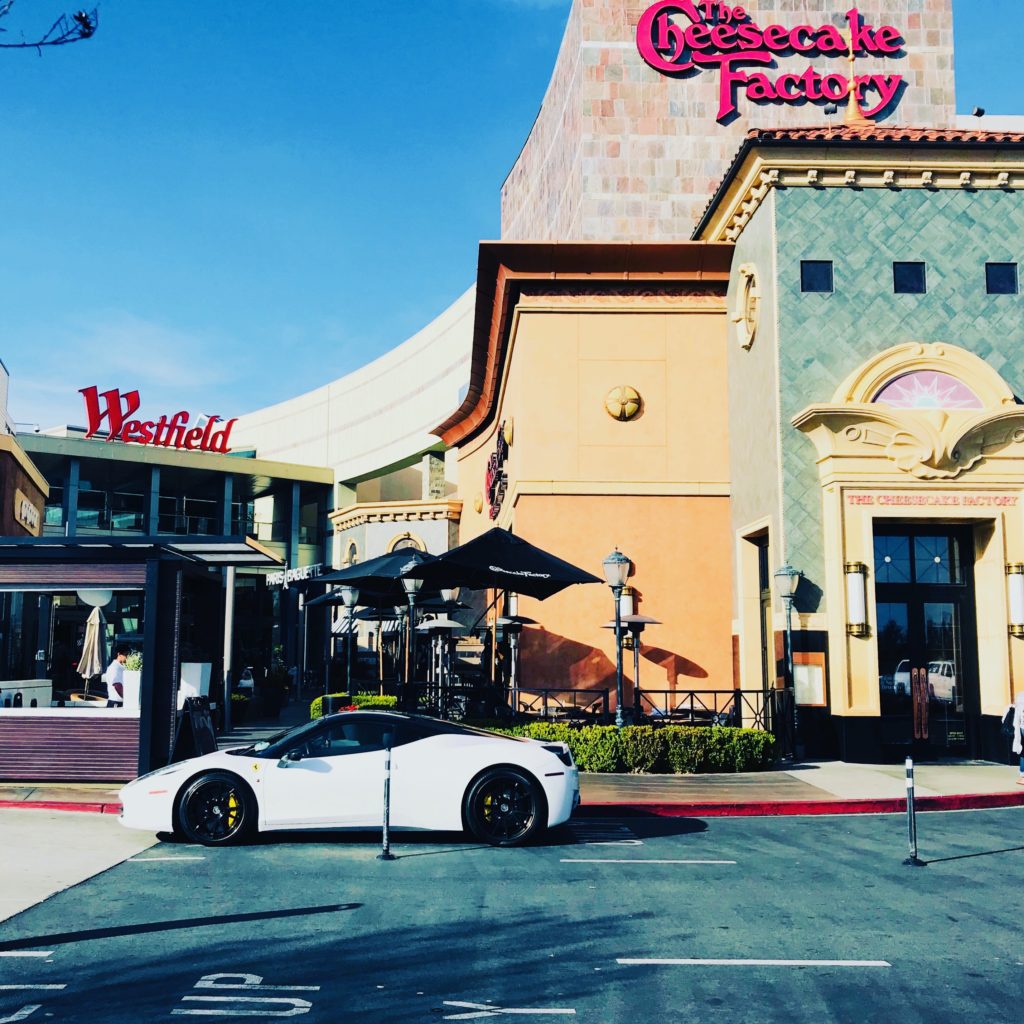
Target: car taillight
(562,753)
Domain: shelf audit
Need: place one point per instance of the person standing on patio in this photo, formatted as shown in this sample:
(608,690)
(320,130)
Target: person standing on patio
(114,676)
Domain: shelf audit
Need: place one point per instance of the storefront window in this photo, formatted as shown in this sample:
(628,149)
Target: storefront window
(44,644)
(892,559)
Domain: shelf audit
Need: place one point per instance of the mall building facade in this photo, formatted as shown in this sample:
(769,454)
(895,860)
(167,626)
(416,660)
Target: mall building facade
(739,320)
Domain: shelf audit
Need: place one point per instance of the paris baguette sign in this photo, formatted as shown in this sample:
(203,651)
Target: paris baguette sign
(722,36)
(117,412)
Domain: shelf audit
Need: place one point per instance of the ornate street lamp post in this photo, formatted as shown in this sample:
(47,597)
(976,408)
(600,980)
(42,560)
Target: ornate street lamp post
(350,598)
(616,571)
(787,582)
(412,588)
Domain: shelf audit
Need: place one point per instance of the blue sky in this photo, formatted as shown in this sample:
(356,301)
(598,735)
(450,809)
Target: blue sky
(227,204)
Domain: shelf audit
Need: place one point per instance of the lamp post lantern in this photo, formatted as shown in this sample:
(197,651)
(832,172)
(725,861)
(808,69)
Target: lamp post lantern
(412,588)
(787,582)
(616,571)
(350,597)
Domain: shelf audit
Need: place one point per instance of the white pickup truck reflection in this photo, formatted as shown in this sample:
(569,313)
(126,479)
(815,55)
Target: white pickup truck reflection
(941,680)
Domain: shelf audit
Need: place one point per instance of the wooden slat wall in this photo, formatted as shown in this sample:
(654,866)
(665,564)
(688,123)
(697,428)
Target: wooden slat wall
(73,749)
(71,575)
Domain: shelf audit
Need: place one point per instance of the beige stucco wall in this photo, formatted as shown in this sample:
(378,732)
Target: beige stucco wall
(581,483)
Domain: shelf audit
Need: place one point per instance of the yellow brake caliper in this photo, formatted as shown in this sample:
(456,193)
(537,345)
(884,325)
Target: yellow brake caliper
(232,810)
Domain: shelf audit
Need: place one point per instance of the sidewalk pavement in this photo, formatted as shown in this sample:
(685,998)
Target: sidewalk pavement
(828,787)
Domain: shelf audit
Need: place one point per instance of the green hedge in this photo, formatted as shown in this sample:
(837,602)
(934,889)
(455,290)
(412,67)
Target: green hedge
(360,700)
(644,749)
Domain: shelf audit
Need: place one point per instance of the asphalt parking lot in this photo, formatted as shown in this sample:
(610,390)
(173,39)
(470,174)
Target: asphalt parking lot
(754,919)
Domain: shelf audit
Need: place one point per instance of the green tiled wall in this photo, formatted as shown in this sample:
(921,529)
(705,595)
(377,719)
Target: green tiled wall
(823,338)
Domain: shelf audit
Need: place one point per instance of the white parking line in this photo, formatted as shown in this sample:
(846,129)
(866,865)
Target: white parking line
(753,963)
(29,952)
(637,860)
(148,860)
(31,988)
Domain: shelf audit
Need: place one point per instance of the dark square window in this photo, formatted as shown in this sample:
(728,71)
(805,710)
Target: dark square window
(816,276)
(909,279)
(1001,278)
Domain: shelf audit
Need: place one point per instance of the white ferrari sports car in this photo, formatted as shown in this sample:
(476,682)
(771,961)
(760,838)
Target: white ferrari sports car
(329,774)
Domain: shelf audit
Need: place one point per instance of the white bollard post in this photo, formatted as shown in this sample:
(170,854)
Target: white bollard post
(913,860)
(385,853)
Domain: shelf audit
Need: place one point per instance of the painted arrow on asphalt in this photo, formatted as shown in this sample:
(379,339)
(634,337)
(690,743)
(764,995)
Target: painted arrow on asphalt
(479,1010)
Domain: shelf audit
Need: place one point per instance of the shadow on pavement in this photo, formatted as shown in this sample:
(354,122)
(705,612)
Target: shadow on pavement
(969,856)
(641,826)
(60,938)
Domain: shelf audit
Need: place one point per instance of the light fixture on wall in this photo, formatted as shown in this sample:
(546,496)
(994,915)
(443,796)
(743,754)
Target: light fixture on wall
(856,598)
(1015,583)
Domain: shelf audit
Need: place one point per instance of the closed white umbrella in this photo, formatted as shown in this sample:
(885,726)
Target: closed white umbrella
(93,659)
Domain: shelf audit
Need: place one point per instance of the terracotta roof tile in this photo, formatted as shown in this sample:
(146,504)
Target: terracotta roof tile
(881,133)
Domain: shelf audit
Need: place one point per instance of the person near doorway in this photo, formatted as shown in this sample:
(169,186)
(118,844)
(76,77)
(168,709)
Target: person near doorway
(1018,733)
(114,677)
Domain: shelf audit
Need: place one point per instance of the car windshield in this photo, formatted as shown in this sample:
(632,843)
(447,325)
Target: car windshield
(286,738)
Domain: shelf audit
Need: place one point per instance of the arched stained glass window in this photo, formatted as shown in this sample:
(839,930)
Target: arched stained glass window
(928,389)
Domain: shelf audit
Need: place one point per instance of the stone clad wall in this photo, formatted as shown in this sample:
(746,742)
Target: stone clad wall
(540,198)
(823,338)
(621,152)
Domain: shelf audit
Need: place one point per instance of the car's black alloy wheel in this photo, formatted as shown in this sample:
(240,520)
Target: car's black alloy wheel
(504,807)
(216,809)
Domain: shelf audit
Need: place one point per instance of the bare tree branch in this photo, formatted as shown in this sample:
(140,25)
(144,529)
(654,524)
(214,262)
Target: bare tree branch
(68,28)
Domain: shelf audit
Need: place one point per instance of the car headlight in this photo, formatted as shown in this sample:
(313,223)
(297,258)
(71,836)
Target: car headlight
(166,770)
(563,753)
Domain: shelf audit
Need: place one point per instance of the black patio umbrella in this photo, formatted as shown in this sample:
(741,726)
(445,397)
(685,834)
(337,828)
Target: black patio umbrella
(380,587)
(379,580)
(502,561)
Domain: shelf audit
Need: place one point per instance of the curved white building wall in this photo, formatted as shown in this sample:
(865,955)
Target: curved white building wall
(377,416)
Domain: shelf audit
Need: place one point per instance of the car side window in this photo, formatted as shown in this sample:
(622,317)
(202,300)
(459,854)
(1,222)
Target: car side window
(355,736)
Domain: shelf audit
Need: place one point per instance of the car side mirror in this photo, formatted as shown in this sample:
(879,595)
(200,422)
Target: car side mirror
(290,758)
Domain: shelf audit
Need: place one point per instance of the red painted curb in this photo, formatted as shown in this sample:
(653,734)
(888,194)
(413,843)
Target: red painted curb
(780,808)
(61,805)
(749,809)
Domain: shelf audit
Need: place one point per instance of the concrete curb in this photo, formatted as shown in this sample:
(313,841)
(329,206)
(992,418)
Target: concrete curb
(779,808)
(696,809)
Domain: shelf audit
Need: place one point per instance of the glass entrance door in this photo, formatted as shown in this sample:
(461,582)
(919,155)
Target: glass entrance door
(926,643)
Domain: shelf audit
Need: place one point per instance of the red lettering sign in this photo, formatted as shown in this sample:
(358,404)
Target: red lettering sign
(112,410)
(720,35)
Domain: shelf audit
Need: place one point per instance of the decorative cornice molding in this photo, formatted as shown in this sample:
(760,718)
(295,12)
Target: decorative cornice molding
(395,512)
(887,167)
(927,444)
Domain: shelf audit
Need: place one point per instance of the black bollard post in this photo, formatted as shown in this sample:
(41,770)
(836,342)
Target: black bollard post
(913,860)
(385,853)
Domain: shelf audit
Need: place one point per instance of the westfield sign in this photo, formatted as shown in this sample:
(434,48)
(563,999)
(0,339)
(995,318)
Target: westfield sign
(115,412)
(681,37)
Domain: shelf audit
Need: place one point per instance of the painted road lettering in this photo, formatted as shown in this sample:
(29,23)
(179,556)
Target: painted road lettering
(239,1004)
(477,1011)
(26,1011)
(23,1014)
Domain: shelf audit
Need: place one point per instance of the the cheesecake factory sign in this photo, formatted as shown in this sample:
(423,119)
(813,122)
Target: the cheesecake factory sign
(684,37)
